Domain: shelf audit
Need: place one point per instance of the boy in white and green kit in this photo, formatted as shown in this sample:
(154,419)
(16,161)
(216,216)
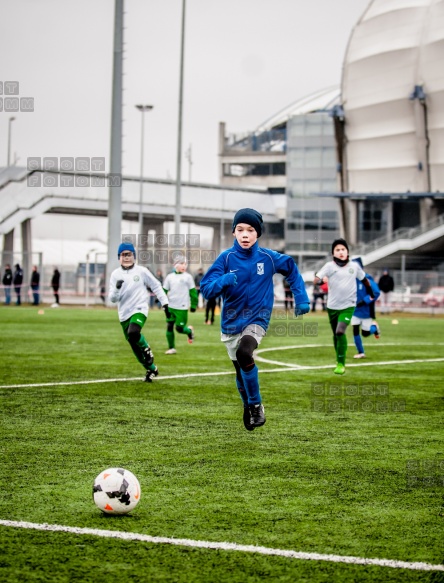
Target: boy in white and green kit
(341,274)
(128,289)
(182,295)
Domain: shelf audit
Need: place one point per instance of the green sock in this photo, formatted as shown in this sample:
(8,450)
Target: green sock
(142,342)
(139,349)
(341,348)
(170,339)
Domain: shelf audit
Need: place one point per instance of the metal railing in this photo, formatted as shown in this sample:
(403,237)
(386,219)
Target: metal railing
(402,233)
(268,141)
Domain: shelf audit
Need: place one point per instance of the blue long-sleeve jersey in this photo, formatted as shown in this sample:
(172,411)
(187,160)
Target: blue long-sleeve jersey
(362,309)
(251,300)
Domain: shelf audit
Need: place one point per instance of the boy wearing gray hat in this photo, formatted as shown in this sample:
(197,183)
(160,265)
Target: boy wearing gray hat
(128,289)
(243,276)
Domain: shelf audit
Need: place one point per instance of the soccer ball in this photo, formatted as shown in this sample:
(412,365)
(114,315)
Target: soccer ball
(116,491)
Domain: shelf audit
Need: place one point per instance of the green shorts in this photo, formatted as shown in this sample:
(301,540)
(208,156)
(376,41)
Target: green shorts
(336,316)
(179,317)
(136,318)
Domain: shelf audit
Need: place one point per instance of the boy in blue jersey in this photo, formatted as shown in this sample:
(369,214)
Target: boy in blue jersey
(363,314)
(243,276)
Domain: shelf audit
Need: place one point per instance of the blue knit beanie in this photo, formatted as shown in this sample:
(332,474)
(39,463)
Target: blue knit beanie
(125,247)
(249,217)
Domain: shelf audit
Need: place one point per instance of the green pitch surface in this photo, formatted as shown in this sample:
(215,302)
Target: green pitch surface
(347,466)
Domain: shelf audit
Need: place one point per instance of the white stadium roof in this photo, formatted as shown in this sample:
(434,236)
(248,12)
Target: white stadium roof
(393,98)
(318,101)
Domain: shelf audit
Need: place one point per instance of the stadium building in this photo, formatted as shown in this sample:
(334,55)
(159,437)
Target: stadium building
(365,161)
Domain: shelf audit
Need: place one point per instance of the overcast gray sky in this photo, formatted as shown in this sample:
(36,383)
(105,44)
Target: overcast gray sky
(244,61)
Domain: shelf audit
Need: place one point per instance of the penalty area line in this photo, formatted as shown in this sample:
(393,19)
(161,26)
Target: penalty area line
(223,546)
(284,368)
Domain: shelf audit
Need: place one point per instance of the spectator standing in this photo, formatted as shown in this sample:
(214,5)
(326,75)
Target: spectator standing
(35,286)
(386,284)
(159,276)
(209,311)
(18,282)
(197,279)
(102,286)
(7,283)
(288,302)
(318,294)
(55,284)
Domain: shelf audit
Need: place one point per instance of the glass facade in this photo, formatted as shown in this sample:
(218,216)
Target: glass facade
(312,221)
(258,169)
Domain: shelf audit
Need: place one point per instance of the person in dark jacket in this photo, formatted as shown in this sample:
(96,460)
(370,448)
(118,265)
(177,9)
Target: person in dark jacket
(243,276)
(197,279)
(210,308)
(386,284)
(55,284)
(35,286)
(288,302)
(18,281)
(7,283)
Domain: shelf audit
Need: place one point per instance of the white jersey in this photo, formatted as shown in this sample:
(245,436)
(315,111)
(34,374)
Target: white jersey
(178,286)
(133,296)
(341,283)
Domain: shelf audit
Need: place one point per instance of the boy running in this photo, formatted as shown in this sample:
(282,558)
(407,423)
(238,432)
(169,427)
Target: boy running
(128,288)
(182,293)
(341,274)
(362,316)
(243,276)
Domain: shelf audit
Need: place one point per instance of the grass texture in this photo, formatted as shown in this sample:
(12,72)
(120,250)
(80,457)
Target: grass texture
(347,465)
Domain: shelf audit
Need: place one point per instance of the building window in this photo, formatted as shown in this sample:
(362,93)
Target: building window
(272,169)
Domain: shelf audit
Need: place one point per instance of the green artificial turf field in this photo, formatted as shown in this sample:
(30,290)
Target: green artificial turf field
(348,466)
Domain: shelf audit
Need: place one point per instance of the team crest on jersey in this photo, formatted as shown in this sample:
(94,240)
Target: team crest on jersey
(351,270)
(136,278)
(260,268)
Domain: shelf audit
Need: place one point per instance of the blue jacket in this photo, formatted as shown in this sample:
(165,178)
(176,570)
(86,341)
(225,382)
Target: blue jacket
(251,300)
(363,300)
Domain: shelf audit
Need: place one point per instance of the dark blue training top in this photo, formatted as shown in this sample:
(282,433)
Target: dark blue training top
(363,300)
(251,300)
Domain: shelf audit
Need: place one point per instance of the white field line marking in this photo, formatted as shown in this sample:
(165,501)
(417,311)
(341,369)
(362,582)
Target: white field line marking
(132,536)
(278,362)
(178,376)
(221,373)
(288,368)
(300,367)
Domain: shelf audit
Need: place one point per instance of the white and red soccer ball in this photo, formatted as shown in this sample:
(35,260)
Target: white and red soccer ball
(116,491)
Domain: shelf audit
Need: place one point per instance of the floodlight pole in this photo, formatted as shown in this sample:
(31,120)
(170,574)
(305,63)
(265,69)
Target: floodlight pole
(189,157)
(177,216)
(11,119)
(142,109)
(87,278)
(115,178)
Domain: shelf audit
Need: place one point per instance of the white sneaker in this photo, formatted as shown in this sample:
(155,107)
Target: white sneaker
(171,351)
(55,306)
(360,355)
